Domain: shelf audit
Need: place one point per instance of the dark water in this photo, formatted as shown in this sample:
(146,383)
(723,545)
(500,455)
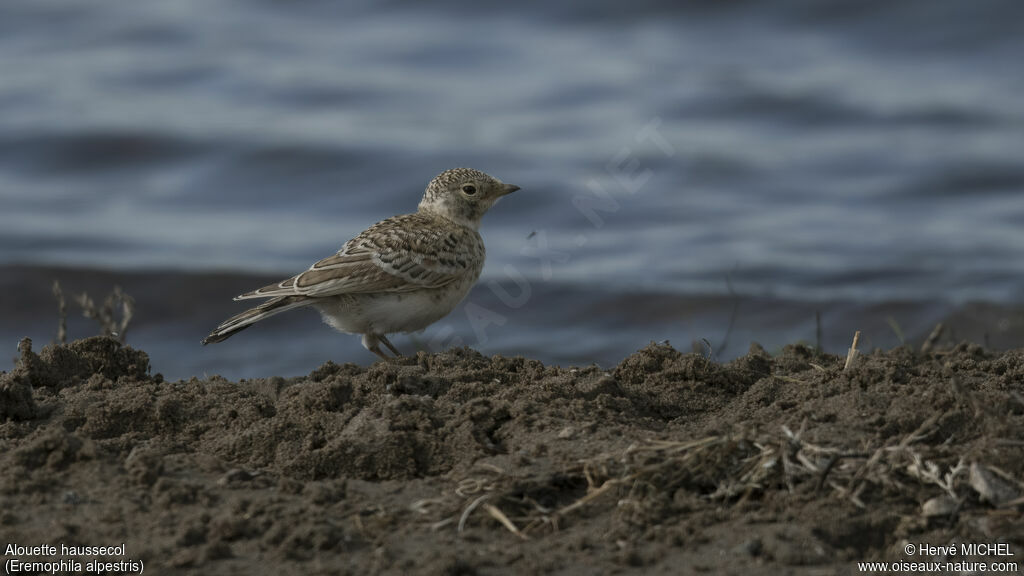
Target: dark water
(689,170)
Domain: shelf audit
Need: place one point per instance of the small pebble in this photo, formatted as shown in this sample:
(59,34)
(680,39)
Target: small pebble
(939,506)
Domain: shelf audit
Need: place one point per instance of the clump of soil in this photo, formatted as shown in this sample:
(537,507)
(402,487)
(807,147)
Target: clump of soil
(456,463)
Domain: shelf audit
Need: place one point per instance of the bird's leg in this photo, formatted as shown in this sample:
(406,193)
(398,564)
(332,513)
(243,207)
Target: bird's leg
(390,346)
(372,343)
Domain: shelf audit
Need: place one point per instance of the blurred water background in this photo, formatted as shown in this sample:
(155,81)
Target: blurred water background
(719,170)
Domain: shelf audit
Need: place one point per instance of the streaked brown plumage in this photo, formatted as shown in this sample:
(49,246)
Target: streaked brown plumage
(399,275)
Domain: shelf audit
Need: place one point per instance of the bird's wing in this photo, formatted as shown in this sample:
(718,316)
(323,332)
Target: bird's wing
(400,254)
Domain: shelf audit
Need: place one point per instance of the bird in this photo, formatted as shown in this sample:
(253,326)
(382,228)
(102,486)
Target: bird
(400,275)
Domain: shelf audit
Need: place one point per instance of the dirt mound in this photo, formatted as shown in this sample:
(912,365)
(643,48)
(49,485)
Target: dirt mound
(458,464)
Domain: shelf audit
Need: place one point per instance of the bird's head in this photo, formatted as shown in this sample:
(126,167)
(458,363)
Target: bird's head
(463,195)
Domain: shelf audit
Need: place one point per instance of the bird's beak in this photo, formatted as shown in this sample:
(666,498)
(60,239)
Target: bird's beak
(509,188)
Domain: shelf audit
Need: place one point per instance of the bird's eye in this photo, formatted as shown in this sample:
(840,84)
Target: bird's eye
(469,189)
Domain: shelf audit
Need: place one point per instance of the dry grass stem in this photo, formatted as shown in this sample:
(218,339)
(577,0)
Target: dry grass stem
(469,510)
(933,338)
(117,303)
(852,353)
(498,515)
(62,313)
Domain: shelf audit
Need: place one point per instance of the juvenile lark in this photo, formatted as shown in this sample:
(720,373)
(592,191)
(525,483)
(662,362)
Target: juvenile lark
(400,275)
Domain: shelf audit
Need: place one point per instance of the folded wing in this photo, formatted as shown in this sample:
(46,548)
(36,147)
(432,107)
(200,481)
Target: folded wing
(400,254)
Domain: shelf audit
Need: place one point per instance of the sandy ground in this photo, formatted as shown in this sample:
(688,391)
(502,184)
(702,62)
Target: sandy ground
(456,463)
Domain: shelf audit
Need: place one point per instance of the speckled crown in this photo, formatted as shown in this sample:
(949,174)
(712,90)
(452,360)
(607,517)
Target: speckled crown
(446,179)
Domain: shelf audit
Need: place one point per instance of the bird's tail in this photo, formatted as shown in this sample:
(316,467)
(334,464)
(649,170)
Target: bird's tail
(240,322)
